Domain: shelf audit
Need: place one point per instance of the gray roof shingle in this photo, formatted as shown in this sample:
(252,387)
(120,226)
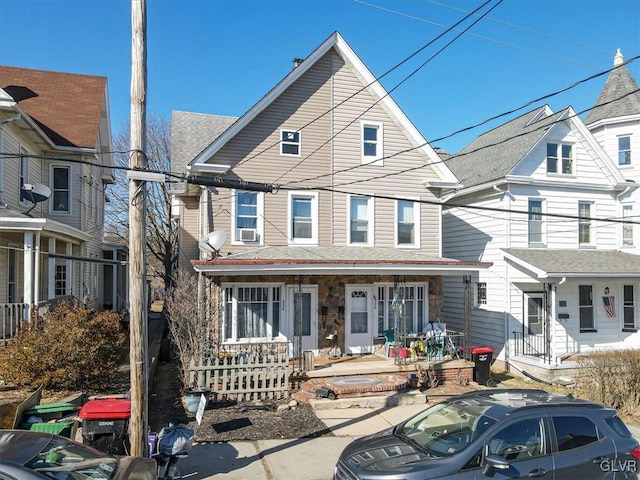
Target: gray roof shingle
(193,132)
(616,98)
(576,263)
(495,153)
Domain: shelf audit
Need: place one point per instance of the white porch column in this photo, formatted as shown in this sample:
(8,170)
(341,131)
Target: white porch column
(553,349)
(51,271)
(68,289)
(28,269)
(36,276)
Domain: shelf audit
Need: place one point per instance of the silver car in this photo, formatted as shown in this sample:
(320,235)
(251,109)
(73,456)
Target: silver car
(26,455)
(499,434)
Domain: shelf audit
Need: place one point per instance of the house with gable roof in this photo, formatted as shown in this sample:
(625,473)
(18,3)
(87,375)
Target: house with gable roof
(541,198)
(55,159)
(350,244)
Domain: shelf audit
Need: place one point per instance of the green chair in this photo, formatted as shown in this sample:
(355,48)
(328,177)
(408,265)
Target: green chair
(389,341)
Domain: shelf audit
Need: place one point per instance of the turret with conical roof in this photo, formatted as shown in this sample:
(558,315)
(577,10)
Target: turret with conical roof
(619,97)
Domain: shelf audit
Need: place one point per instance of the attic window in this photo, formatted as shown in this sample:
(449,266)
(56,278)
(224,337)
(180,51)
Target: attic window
(290,143)
(624,150)
(372,141)
(560,158)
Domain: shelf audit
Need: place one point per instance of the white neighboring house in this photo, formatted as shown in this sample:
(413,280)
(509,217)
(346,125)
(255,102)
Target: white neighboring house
(54,135)
(533,192)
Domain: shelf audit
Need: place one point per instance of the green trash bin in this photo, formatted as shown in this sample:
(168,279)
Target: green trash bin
(51,411)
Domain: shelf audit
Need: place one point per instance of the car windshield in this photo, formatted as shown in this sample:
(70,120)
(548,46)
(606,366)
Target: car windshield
(446,428)
(61,459)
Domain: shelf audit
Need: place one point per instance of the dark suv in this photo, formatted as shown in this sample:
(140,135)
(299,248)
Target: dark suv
(498,434)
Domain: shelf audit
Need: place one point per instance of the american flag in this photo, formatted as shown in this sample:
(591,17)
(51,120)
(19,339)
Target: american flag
(609,306)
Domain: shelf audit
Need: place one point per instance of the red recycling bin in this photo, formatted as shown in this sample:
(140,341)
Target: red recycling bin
(105,423)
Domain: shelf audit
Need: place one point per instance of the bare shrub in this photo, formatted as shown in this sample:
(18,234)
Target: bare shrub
(612,377)
(190,327)
(72,348)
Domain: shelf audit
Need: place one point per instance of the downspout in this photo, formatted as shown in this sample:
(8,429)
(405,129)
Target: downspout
(8,120)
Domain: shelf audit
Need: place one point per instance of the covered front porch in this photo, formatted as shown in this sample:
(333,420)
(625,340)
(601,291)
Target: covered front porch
(331,301)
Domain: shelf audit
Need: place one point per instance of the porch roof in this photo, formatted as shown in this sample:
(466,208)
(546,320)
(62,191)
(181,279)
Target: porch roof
(313,260)
(550,263)
(12,220)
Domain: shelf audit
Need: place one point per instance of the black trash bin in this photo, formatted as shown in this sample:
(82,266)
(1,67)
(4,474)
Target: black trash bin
(105,424)
(482,357)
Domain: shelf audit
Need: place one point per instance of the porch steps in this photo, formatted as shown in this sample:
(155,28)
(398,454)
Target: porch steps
(358,387)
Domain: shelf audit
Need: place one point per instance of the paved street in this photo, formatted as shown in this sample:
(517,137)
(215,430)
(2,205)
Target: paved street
(300,459)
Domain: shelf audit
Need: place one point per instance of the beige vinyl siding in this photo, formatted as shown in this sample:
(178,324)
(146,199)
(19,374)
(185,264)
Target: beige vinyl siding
(256,152)
(384,179)
(189,236)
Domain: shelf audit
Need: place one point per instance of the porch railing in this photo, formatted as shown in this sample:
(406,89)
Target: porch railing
(531,345)
(12,317)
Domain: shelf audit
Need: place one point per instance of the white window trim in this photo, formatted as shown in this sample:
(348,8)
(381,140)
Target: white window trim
(234,314)
(625,225)
(377,159)
(23,179)
(476,291)
(559,157)
(370,219)
(592,227)
(314,218)
(260,222)
(298,143)
(543,223)
(52,209)
(624,165)
(416,223)
(12,251)
(387,311)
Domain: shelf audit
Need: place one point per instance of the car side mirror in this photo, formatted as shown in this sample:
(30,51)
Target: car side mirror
(493,463)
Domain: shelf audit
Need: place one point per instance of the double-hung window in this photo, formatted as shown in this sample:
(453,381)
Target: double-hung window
(372,141)
(360,222)
(24,173)
(481,294)
(303,218)
(247,216)
(406,303)
(628,307)
(535,222)
(251,312)
(585,300)
(624,150)
(290,142)
(61,192)
(560,158)
(407,223)
(584,223)
(627,228)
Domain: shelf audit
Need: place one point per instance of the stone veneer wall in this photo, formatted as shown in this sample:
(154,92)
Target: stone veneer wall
(331,291)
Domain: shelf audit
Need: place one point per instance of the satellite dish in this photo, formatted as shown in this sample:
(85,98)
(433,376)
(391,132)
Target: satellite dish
(213,242)
(35,192)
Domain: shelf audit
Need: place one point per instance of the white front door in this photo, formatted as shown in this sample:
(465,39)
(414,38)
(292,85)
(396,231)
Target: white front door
(535,314)
(308,323)
(358,320)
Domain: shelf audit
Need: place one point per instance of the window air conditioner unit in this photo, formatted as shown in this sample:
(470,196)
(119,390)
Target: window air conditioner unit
(248,235)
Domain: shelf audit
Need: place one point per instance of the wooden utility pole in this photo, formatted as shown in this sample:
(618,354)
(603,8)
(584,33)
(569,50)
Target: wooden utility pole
(138,354)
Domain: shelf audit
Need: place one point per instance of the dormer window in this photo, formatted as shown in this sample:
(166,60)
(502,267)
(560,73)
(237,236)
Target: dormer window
(290,143)
(560,158)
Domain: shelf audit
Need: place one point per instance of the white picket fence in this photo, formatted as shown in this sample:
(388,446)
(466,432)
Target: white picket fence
(244,377)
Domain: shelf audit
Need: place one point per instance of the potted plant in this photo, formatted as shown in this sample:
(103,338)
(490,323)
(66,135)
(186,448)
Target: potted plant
(191,334)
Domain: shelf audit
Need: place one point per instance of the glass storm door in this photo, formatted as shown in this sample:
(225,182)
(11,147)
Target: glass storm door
(308,296)
(358,320)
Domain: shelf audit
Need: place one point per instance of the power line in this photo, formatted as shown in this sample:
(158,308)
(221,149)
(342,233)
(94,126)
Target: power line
(388,93)
(375,80)
(483,122)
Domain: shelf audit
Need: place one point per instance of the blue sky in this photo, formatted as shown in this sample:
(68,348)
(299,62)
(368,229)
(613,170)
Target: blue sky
(221,56)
